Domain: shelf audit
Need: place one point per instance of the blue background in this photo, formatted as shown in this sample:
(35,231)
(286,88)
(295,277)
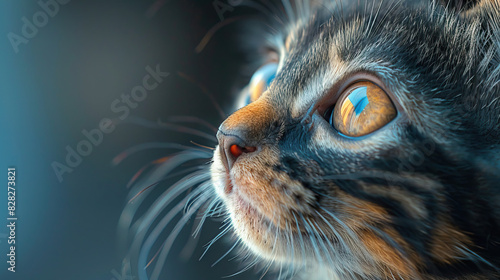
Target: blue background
(63,81)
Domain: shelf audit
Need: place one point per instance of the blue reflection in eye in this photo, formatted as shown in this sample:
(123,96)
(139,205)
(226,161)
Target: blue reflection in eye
(358,99)
(260,81)
(266,73)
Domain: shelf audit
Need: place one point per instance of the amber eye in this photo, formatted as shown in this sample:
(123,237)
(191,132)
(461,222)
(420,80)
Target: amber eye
(361,109)
(260,81)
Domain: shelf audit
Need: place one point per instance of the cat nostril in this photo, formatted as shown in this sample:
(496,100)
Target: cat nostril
(236,150)
(233,151)
(231,148)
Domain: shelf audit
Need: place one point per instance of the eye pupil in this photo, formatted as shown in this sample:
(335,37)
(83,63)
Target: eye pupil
(328,115)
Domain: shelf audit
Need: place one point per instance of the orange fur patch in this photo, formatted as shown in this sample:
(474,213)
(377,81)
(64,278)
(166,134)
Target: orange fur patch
(273,193)
(253,118)
(360,213)
(445,240)
(411,203)
(391,259)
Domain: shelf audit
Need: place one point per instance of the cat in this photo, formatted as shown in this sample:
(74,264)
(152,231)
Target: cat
(367,145)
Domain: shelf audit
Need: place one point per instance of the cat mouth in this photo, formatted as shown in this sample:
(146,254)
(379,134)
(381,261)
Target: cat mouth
(236,198)
(241,204)
(248,215)
(246,208)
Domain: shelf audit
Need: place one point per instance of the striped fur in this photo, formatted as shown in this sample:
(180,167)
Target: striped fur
(416,199)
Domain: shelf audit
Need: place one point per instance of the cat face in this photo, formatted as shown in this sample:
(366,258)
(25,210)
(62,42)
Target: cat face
(369,145)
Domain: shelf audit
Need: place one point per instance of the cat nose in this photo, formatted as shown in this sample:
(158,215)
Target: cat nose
(243,131)
(232,146)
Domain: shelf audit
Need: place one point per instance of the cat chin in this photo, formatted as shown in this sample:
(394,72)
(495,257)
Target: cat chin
(267,238)
(268,210)
(249,225)
(257,232)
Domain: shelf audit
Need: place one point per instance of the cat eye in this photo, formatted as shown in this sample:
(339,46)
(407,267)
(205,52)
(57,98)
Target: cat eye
(361,109)
(260,81)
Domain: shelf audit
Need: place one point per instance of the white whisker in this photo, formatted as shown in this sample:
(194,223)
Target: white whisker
(171,238)
(222,233)
(227,253)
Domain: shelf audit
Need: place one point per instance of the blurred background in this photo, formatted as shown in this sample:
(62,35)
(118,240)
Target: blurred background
(63,69)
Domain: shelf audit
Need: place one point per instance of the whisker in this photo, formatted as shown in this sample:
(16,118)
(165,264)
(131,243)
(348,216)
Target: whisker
(144,251)
(211,32)
(203,146)
(192,119)
(389,239)
(222,233)
(267,269)
(290,241)
(158,229)
(250,265)
(322,240)
(473,256)
(289,10)
(206,92)
(138,173)
(312,239)
(196,196)
(171,238)
(130,210)
(351,235)
(342,224)
(145,189)
(335,232)
(165,125)
(218,210)
(227,253)
(184,171)
(278,14)
(273,253)
(205,215)
(154,145)
(162,202)
(191,244)
(186,130)
(281,271)
(261,8)
(177,188)
(300,237)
